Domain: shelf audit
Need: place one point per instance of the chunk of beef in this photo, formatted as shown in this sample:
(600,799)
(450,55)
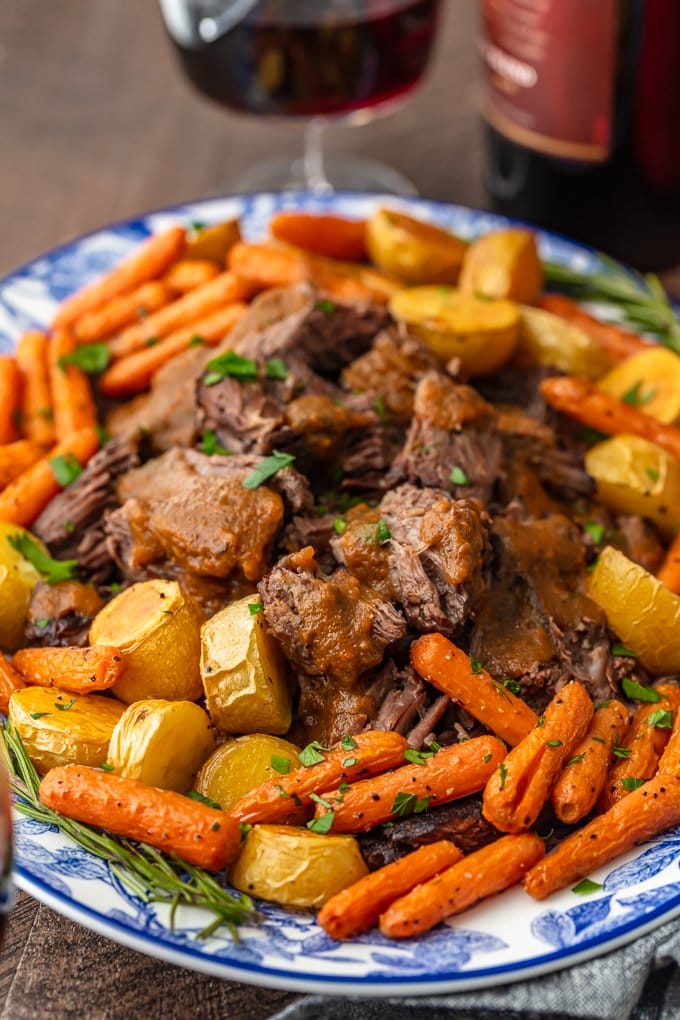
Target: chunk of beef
(72,525)
(452,427)
(368,454)
(242,415)
(461,822)
(328,626)
(638,539)
(61,614)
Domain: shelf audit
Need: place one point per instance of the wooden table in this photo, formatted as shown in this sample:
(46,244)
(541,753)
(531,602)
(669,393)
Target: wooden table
(97,124)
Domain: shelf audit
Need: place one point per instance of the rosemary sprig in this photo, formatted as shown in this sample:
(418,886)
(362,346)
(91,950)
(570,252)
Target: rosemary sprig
(641,298)
(147,873)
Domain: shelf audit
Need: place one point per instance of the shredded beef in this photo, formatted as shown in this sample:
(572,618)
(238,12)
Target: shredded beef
(61,614)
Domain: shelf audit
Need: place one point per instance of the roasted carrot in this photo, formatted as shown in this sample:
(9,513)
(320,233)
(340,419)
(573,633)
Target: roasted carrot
(374,752)
(669,572)
(453,772)
(188,274)
(479,875)
(669,762)
(10,681)
(582,400)
(28,495)
(357,908)
(122,311)
(198,834)
(70,388)
(515,794)
(618,342)
(149,261)
(649,810)
(452,672)
(15,458)
(134,373)
(583,778)
(333,236)
(37,416)
(264,265)
(186,312)
(10,399)
(80,670)
(640,747)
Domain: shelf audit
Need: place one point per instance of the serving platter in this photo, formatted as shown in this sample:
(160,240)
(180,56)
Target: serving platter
(503,939)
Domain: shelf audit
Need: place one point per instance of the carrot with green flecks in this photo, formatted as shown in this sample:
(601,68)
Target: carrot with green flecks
(520,786)
(37,416)
(618,342)
(10,399)
(357,908)
(669,762)
(363,755)
(194,832)
(72,401)
(122,311)
(467,683)
(10,681)
(333,236)
(80,670)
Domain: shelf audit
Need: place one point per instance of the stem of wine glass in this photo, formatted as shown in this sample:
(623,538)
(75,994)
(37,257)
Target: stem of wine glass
(312,158)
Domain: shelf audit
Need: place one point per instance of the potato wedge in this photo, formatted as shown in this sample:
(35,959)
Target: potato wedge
(212,242)
(18,578)
(296,867)
(546,339)
(411,250)
(503,264)
(161,743)
(244,672)
(239,765)
(641,611)
(58,728)
(635,476)
(483,334)
(157,627)
(651,380)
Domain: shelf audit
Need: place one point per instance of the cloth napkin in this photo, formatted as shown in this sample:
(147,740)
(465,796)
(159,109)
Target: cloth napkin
(640,981)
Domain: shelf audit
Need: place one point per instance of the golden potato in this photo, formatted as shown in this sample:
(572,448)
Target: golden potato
(411,250)
(635,476)
(296,867)
(213,242)
(641,611)
(59,728)
(18,577)
(239,765)
(650,379)
(244,672)
(503,264)
(483,334)
(157,627)
(161,743)
(546,339)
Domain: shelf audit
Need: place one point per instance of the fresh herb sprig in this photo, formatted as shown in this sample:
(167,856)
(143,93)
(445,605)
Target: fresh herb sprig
(149,874)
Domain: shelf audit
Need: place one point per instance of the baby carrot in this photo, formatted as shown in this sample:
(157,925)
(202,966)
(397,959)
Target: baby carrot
(479,875)
(648,811)
(198,834)
(451,671)
(521,785)
(80,670)
(266,265)
(453,772)
(357,908)
(10,398)
(187,274)
(37,417)
(10,681)
(15,458)
(122,311)
(323,234)
(669,571)
(618,342)
(70,388)
(669,762)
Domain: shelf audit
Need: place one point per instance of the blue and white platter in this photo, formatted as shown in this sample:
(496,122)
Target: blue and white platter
(504,939)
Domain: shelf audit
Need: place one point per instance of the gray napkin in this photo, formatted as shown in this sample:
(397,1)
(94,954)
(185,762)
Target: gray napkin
(641,981)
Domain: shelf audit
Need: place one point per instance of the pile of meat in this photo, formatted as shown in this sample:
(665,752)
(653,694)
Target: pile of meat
(415,503)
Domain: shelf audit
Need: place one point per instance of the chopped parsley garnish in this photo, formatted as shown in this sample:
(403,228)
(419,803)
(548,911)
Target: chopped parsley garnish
(44,623)
(69,527)
(541,722)
(458,476)
(268,467)
(323,824)
(409,804)
(229,365)
(553,743)
(339,526)
(653,475)
(503,772)
(600,740)
(586,886)
(348,762)
(632,784)
(636,692)
(661,719)
(65,468)
(103,434)
(621,752)
(325,306)
(513,686)
(89,358)
(281,791)
(595,531)
(311,754)
(417,757)
(624,652)
(152,341)
(244,828)
(275,368)
(348,743)
(52,570)
(65,706)
(196,341)
(38,715)
(487,758)
(196,226)
(382,532)
(602,704)
(576,758)
(635,397)
(254,608)
(280,764)
(319,800)
(380,408)
(475,665)
(105,767)
(195,795)
(210,444)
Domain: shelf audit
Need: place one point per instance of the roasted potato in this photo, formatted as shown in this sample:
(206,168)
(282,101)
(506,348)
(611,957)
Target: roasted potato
(213,242)
(651,380)
(157,627)
(162,743)
(296,867)
(59,728)
(635,476)
(483,334)
(411,250)
(18,577)
(641,611)
(244,672)
(546,339)
(503,264)
(240,765)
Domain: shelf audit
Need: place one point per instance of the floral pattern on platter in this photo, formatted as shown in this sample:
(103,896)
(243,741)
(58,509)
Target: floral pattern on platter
(498,941)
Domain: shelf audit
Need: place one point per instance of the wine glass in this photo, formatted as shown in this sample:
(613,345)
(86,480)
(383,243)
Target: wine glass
(325,60)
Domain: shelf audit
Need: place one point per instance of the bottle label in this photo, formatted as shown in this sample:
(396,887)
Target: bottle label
(550,67)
